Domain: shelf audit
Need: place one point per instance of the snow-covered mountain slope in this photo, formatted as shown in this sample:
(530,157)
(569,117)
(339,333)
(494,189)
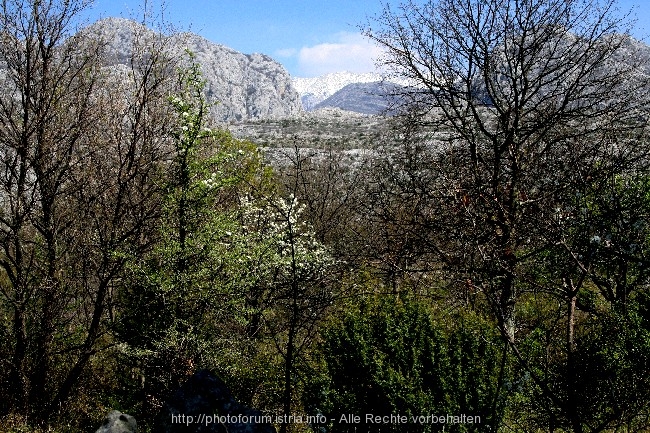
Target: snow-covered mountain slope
(317,89)
(367,98)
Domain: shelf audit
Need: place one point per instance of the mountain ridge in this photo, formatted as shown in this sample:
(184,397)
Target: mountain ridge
(241,86)
(255,86)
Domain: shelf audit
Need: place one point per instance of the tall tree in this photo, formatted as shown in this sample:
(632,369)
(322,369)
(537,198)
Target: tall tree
(46,108)
(293,288)
(532,104)
(77,187)
(188,285)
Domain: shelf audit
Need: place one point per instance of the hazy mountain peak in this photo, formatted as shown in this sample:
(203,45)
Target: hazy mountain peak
(315,90)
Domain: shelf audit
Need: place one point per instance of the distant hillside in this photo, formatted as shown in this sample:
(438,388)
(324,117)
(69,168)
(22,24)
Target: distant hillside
(317,89)
(365,98)
(244,87)
(365,93)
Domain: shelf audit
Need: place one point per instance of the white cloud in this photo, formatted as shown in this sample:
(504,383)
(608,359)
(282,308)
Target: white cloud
(347,52)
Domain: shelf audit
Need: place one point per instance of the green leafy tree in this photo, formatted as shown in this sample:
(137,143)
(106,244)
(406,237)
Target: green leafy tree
(175,299)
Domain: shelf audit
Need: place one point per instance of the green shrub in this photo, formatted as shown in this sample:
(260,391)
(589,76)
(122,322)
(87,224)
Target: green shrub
(393,357)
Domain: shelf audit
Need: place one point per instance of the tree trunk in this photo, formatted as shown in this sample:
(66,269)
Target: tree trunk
(572,403)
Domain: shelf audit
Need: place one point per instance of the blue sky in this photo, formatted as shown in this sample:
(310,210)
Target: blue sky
(309,37)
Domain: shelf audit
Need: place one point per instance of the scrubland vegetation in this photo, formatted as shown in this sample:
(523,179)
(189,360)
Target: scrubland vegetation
(486,256)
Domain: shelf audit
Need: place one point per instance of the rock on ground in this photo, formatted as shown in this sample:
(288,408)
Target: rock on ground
(118,422)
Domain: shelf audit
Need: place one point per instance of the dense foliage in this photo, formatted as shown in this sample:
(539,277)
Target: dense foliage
(392,356)
(483,267)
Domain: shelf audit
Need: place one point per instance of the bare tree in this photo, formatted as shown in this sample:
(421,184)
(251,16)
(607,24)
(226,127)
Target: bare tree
(328,182)
(117,204)
(46,108)
(532,104)
(80,152)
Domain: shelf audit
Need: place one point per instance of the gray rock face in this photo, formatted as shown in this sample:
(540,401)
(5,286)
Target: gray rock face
(118,422)
(240,86)
(244,87)
(204,404)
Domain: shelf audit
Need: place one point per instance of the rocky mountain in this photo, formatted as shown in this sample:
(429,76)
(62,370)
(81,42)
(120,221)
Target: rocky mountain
(252,86)
(242,86)
(371,93)
(634,49)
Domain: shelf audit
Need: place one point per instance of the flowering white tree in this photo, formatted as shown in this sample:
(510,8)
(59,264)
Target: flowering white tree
(287,277)
(176,299)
